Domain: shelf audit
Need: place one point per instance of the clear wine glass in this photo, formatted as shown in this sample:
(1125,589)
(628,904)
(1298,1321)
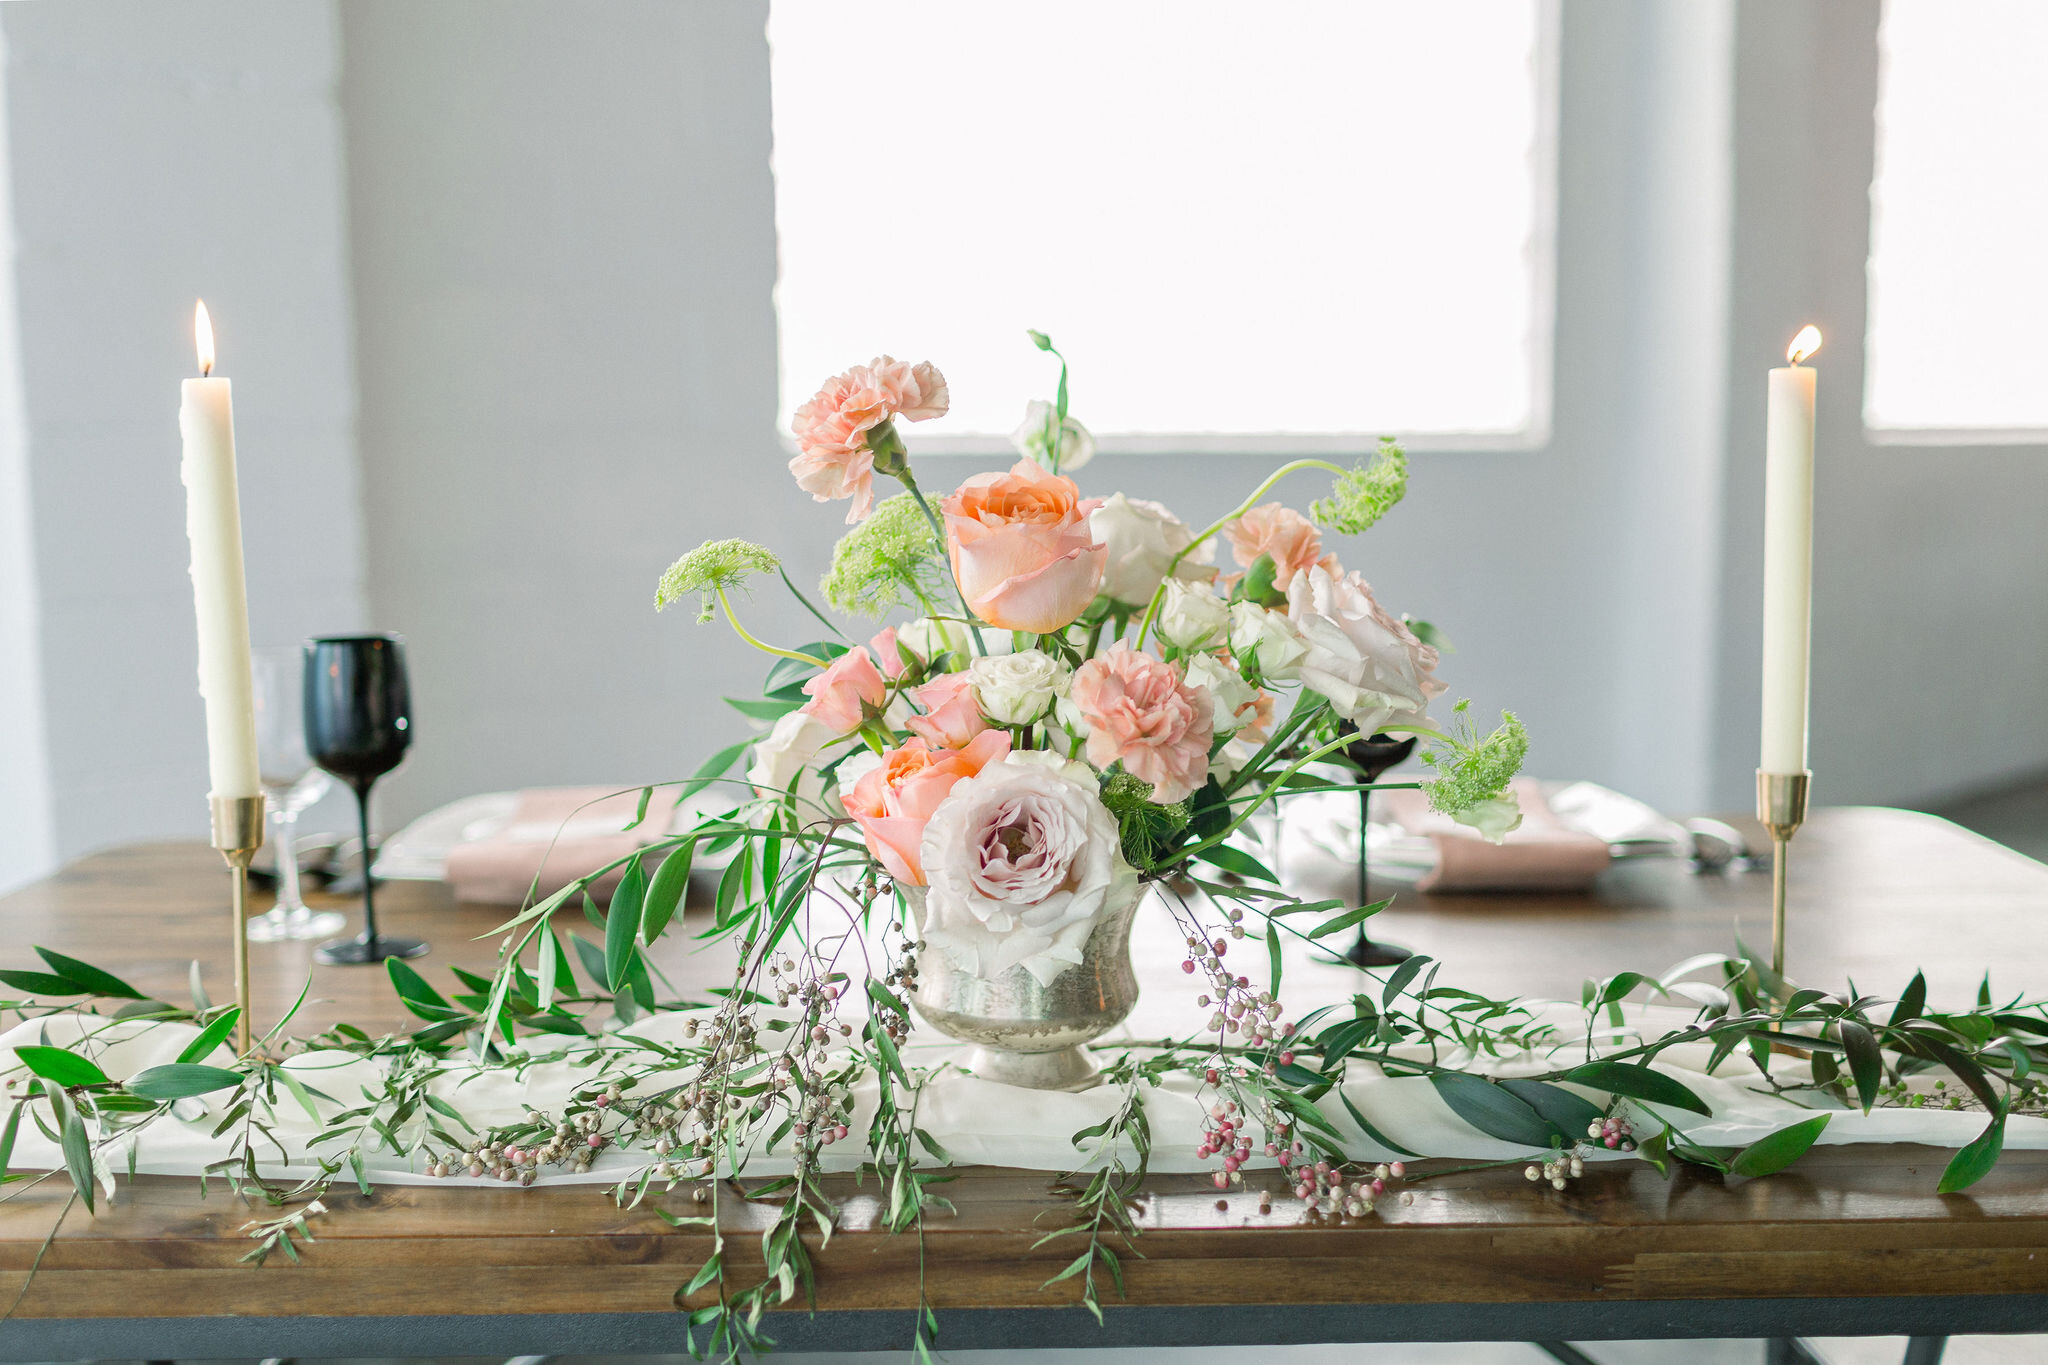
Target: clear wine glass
(290,783)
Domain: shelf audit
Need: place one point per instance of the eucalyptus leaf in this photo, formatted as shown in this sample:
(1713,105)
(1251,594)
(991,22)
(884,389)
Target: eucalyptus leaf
(85,974)
(622,924)
(61,1067)
(1637,1083)
(1780,1149)
(665,893)
(1493,1110)
(212,1036)
(1975,1161)
(181,1080)
(1866,1063)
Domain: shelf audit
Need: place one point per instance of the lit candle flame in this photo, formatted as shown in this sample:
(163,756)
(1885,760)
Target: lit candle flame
(202,332)
(1803,345)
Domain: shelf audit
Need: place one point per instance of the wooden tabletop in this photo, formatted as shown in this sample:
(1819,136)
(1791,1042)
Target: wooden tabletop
(1851,1239)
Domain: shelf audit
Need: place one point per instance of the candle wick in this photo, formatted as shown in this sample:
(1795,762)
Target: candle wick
(206,371)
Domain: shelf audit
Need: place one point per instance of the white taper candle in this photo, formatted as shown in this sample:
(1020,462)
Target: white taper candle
(1788,558)
(213,523)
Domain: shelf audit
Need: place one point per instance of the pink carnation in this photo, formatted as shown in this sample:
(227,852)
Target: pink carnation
(1285,534)
(840,694)
(1140,710)
(833,459)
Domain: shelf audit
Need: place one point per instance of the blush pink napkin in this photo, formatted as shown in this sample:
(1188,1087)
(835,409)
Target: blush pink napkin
(499,869)
(1543,855)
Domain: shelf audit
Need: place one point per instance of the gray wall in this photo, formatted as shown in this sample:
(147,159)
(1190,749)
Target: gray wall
(514,350)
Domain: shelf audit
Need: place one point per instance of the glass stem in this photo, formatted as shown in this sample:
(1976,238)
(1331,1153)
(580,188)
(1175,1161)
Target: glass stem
(286,822)
(369,883)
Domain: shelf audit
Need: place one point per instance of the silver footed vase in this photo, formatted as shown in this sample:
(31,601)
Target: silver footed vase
(1024,1033)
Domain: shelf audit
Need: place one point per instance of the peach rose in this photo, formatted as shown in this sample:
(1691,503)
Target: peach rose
(1021,548)
(952,717)
(1138,709)
(1285,534)
(849,684)
(834,458)
(893,800)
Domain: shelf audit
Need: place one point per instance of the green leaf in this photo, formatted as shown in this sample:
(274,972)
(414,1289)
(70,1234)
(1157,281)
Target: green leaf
(60,1067)
(7,1138)
(762,710)
(212,1036)
(666,891)
(180,1080)
(1975,1161)
(549,970)
(1913,1003)
(78,1154)
(417,996)
(1238,861)
(1570,1114)
(1865,1062)
(40,983)
(711,770)
(1493,1111)
(1637,1083)
(1357,915)
(1273,955)
(1780,1149)
(640,811)
(88,976)
(1401,976)
(1375,1134)
(592,959)
(622,923)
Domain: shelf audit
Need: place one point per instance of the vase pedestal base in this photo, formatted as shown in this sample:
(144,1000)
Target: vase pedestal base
(1071,1068)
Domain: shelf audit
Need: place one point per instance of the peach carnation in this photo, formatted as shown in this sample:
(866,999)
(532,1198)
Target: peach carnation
(834,458)
(1140,710)
(1277,530)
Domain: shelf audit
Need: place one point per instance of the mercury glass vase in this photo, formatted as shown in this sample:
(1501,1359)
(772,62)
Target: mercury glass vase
(1027,1034)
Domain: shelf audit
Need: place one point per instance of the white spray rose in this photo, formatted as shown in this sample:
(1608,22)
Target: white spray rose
(785,756)
(1370,666)
(1016,689)
(1191,615)
(1267,638)
(1143,537)
(1033,438)
(1022,859)
(1236,701)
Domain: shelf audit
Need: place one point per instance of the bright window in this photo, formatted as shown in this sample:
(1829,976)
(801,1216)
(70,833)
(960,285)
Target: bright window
(1296,223)
(1959,219)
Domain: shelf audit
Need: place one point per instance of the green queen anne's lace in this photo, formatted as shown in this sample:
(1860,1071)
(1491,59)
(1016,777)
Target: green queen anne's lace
(1478,772)
(890,560)
(709,569)
(1366,493)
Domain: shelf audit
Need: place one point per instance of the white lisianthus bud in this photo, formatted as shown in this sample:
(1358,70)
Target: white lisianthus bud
(786,755)
(1016,689)
(1143,537)
(1495,818)
(1191,615)
(1267,638)
(1236,701)
(928,637)
(1033,438)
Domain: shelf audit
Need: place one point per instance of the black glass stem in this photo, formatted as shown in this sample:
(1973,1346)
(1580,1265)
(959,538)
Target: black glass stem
(358,727)
(1374,755)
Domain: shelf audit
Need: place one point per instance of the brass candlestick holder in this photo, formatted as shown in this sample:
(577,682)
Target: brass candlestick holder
(238,833)
(1781,809)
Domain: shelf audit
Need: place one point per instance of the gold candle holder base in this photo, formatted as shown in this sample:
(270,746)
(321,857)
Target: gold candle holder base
(1781,809)
(238,833)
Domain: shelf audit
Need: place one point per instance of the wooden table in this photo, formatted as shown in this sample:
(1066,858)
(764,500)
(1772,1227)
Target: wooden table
(1852,1240)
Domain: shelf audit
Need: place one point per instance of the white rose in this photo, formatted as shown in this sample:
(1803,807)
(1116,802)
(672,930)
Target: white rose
(1022,859)
(1236,701)
(1143,538)
(1370,666)
(928,637)
(1495,818)
(1192,615)
(1268,639)
(1015,689)
(785,756)
(1033,438)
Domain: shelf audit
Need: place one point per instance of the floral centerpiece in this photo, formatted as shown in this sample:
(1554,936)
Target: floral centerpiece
(1070,704)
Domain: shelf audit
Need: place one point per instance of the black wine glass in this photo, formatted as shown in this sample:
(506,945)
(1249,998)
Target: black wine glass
(1373,755)
(358,727)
